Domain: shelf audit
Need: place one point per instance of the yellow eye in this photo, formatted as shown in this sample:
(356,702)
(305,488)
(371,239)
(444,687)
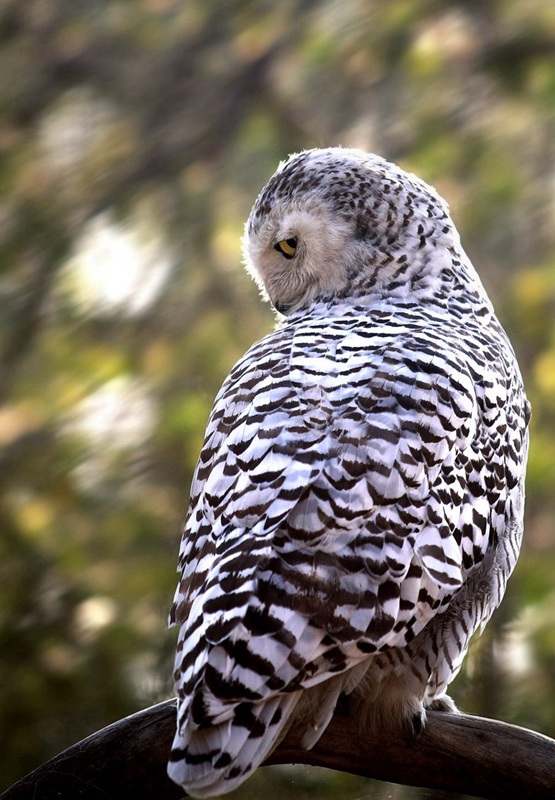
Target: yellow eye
(286,247)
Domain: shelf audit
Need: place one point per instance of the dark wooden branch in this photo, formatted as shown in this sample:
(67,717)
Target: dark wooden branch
(457,753)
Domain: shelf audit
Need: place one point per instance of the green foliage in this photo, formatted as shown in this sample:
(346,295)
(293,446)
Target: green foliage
(135,138)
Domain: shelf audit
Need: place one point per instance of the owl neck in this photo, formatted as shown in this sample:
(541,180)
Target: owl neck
(445,281)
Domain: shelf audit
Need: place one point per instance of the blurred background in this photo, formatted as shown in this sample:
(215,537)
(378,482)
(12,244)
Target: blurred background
(135,136)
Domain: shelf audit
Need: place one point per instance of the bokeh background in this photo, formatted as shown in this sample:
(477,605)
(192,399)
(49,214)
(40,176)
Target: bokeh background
(135,136)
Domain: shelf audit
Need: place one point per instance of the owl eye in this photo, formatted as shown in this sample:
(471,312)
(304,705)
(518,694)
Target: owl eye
(286,247)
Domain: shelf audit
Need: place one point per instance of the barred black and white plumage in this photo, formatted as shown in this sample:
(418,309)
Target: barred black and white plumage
(357,505)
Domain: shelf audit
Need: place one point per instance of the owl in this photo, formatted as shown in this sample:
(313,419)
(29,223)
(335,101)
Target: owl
(357,506)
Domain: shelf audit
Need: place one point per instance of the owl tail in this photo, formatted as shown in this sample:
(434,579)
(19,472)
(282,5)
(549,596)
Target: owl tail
(214,760)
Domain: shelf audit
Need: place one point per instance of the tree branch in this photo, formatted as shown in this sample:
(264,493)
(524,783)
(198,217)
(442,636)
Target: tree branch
(457,753)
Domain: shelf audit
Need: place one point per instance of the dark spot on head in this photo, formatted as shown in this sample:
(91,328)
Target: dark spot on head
(361,226)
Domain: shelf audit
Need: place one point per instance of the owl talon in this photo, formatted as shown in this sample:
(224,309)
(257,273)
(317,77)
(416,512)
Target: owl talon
(418,721)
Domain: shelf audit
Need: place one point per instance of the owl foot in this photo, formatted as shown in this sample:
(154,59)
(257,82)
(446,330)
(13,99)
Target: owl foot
(443,703)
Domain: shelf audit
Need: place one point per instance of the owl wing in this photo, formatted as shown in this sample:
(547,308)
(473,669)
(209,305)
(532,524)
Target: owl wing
(325,524)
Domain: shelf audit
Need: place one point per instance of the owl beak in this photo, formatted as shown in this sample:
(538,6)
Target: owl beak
(282,308)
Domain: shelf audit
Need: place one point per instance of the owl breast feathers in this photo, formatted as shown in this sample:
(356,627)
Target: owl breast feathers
(357,505)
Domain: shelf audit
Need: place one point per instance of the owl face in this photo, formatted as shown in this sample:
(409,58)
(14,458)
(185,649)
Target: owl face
(338,222)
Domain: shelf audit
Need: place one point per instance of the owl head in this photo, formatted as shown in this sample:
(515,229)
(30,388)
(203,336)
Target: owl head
(338,223)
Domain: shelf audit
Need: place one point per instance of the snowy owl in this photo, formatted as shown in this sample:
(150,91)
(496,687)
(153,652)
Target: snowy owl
(357,506)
